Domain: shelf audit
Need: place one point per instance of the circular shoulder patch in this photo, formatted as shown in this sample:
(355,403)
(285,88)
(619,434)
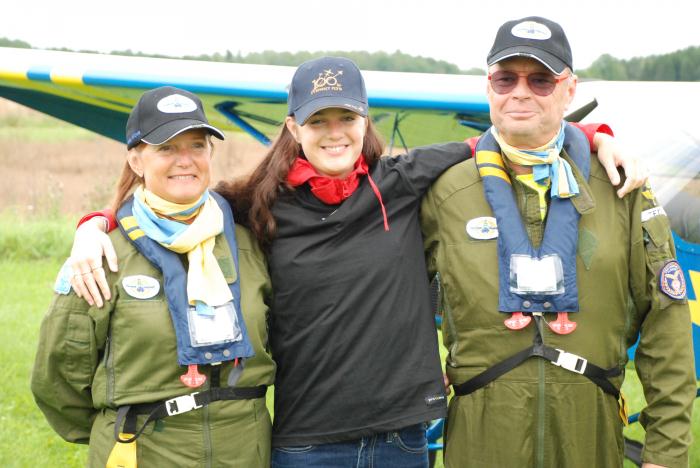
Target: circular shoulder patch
(671,280)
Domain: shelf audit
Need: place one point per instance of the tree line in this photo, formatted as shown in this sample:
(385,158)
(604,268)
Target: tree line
(681,65)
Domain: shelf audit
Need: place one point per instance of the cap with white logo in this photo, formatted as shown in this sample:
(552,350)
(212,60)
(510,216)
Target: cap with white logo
(534,37)
(164,113)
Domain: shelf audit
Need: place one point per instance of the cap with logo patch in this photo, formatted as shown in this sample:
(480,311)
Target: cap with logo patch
(163,113)
(534,37)
(326,82)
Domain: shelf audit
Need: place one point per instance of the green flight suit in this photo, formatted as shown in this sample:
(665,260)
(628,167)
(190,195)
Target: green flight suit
(91,361)
(538,414)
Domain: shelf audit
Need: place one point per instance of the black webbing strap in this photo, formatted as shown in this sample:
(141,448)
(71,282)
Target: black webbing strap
(178,405)
(568,361)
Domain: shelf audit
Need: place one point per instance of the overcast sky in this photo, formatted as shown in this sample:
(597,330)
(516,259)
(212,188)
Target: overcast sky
(460,32)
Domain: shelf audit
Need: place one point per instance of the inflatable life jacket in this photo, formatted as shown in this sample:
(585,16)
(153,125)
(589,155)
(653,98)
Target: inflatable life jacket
(175,289)
(560,235)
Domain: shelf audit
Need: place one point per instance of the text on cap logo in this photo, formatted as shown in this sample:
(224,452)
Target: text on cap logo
(176,104)
(531,30)
(327,81)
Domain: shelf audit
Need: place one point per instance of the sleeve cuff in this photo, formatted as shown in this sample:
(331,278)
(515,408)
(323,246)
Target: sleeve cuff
(472,144)
(107,214)
(666,460)
(591,129)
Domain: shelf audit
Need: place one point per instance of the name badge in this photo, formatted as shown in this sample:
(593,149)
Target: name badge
(219,327)
(482,228)
(141,286)
(652,212)
(530,275)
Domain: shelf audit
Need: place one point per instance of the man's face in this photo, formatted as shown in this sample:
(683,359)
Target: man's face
(523,118)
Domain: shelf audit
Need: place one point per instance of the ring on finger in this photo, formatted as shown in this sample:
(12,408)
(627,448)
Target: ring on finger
(97,268)
(88,273)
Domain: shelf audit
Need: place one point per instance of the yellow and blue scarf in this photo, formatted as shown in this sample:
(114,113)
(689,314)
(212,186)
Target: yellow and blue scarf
(547,164)
(188,229)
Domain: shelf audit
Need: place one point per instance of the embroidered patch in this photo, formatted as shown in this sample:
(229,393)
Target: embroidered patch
(671,280)
(651,212)
(141,286)
(176,104)
(482,228)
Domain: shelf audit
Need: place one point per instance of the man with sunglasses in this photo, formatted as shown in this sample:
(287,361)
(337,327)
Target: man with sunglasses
(547,278)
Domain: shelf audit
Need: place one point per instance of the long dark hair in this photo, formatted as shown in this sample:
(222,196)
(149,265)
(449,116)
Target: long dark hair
(253,198)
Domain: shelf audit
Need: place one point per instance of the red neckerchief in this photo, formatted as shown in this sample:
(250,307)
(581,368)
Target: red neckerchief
(333,191)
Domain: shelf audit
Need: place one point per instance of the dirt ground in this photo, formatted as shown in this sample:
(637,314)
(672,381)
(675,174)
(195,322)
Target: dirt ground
(71,176)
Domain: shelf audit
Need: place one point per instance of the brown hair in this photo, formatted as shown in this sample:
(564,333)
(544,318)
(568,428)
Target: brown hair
(125,185)
(253,198)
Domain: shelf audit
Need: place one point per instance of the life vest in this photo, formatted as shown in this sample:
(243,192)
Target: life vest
(561,230)
(175,288)
(560,238)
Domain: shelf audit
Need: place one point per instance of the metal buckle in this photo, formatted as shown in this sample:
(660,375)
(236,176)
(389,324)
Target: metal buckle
(181,404)
(571,362)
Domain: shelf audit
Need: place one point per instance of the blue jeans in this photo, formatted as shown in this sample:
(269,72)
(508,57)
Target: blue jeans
(405,448)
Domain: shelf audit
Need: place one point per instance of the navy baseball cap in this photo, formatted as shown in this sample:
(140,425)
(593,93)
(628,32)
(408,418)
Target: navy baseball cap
(326,82)
(534,37)
(163,113)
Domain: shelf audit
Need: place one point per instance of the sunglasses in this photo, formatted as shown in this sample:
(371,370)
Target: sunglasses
(542,84)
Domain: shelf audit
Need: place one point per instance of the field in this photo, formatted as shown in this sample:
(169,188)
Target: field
(54,172)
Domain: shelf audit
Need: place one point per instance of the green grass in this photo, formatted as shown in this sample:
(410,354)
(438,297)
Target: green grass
(27,439)
(23,238)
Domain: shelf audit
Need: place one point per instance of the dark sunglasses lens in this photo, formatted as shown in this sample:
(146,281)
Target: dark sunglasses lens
(503,82)
(541,84)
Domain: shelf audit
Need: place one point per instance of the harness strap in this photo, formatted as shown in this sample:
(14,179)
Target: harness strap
(558,357)
(178,405)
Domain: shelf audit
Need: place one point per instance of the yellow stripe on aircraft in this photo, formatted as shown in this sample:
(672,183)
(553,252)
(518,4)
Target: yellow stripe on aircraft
(695,305)
(67,79)
(494,172)
(491,157)
(14,75)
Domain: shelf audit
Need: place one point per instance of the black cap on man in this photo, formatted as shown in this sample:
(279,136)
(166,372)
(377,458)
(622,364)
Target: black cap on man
(534,37)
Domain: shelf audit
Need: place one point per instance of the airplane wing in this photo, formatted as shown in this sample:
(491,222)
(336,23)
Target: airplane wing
(97,92)
(656,121)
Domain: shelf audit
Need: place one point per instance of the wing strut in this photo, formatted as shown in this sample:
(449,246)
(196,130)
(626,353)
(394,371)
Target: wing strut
(228,109)
(398,117)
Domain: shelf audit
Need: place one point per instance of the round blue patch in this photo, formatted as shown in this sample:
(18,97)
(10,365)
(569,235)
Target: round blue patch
(671,280)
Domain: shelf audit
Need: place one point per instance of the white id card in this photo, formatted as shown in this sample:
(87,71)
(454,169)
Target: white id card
(530,275)
(220,327)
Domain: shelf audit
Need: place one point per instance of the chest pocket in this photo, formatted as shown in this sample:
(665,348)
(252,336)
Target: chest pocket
(143,347)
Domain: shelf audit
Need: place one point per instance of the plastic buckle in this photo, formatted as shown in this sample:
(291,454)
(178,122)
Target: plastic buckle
(181,404)
(571,362)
